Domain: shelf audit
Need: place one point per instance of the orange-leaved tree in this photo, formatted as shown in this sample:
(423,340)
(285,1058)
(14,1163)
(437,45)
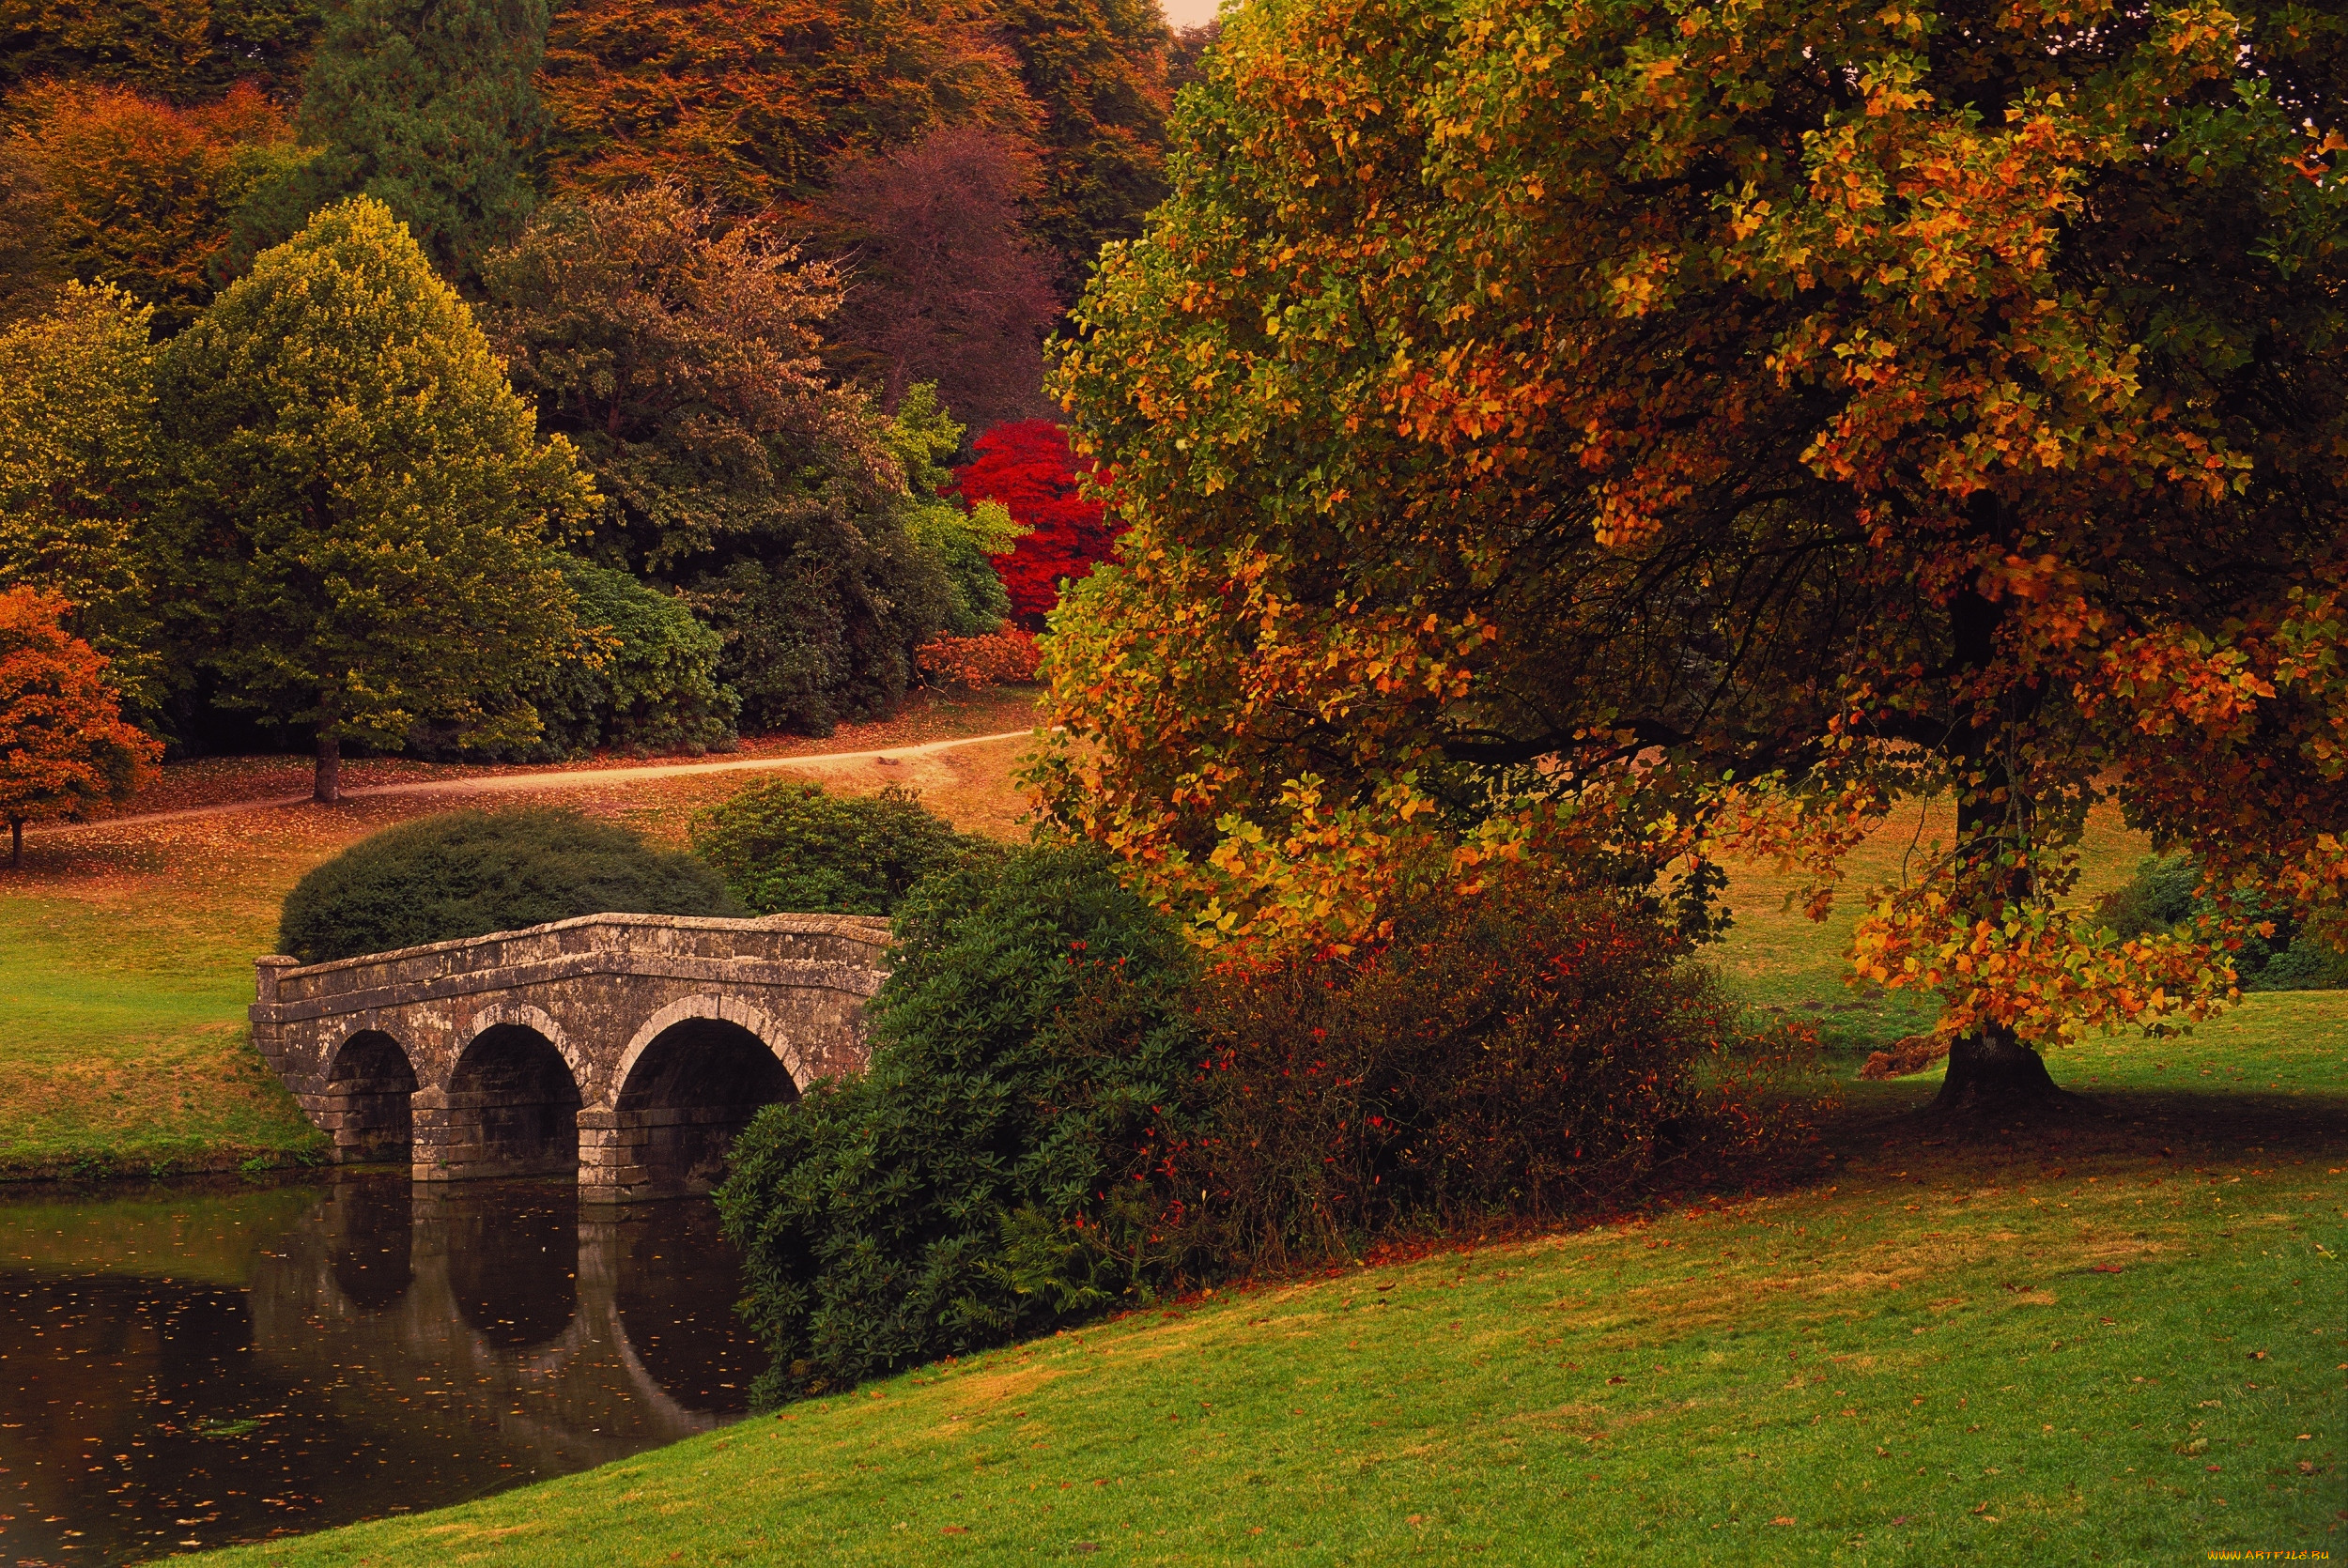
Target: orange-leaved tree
(64,747)
(747,101)
(141,194)
(1615,431)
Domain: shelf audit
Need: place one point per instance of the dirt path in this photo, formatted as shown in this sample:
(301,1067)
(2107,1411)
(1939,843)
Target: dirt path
(572,778)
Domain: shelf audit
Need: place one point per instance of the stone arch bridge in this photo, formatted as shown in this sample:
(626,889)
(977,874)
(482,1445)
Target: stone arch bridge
(628,1047)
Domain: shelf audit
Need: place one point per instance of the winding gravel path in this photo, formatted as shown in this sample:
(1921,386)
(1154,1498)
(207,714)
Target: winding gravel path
(556,778)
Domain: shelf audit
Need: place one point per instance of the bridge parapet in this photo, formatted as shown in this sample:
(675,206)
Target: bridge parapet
(629,1047)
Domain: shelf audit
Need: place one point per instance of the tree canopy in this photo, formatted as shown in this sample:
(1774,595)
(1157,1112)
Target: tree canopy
(942,284)
(371,514)
(677,348)
(181,49)
(135,193)
(748,102)
(1615,429)
(428,106)
(1098,70)
(78,467)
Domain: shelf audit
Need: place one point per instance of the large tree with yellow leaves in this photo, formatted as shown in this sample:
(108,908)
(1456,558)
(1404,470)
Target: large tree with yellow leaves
(1609,429)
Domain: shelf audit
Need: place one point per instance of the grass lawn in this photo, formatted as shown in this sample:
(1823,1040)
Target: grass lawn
(2115,1335)
(127,949)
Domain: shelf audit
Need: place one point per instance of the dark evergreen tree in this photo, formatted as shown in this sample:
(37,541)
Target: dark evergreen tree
(1099,69)
(430,107)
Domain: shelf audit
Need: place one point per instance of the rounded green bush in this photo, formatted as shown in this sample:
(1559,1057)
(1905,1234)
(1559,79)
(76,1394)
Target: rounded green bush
(468,873)
(790,848)
(983,1178)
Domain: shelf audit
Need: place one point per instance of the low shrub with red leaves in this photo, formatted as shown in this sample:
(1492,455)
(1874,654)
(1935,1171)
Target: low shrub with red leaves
(1520,1054)
(1006,657)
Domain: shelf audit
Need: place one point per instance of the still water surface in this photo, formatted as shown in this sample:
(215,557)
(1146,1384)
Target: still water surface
(186,1369)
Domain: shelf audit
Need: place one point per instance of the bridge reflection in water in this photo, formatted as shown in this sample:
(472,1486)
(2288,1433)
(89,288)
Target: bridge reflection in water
(186,1370)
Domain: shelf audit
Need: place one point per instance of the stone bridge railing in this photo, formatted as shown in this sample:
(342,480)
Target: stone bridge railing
(630,1048)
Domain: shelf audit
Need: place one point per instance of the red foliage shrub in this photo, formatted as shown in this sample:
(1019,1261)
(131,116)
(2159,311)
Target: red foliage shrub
(975,663)
(1520,1052)
(1029,468)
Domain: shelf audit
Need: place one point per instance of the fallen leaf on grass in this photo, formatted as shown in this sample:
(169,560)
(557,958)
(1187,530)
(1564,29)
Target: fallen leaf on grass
(1783,1519)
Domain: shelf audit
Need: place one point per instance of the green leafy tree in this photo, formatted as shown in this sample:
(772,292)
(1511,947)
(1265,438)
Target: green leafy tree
(78,472)
(429,107)
(1098,68)
(373,511)
(180,49)
(647,680)
(678,350)
(923,437)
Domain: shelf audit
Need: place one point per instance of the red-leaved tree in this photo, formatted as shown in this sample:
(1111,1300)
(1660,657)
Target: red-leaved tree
(1028,467)
(64,747)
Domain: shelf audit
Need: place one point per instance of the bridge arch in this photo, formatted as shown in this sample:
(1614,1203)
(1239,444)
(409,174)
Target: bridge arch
(725,1010)
(522,1015)
(511,1107)
(369,1085)
(689,1082)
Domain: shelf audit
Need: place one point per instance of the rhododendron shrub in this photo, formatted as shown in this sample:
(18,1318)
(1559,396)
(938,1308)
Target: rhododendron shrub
(1028,467)
(985,1175)
(1617,428)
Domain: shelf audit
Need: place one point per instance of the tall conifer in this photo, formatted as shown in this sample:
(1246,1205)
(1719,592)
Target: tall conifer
(428,106)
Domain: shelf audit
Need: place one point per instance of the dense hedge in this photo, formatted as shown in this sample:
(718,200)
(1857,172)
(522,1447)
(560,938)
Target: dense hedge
(979,1180)
(472,872)
(791,848)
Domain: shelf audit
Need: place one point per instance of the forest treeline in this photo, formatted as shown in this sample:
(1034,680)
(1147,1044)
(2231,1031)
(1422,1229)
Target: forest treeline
(753,275)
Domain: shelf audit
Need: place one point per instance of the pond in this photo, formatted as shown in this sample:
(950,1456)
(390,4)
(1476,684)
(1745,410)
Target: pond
(189,1368)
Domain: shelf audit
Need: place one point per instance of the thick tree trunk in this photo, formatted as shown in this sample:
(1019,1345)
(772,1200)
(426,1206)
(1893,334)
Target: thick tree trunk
(16,843)
(1991,1068)
(327,788)
(1994,1071)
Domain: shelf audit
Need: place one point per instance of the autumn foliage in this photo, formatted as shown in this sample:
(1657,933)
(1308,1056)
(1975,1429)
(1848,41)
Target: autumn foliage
(1521,1052)
(748,102)
(1028,467)
(142,194)
(1631,431)
(64,747)
(975,663)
